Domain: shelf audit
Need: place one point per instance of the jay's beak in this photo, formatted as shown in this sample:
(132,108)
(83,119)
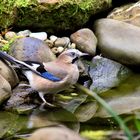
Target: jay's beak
(86,56)
(83,54)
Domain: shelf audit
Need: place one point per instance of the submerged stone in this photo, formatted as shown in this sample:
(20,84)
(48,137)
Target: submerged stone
(11,123)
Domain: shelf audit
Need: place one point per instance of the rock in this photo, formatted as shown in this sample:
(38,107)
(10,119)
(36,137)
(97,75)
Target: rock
(51,16)
(8,73)
(32,49)
(10,35)
(53,38)
(129,13)
(60,49)
(11,124)
(55,50)
(85,41)
(25,33)
(124,99)
(53,133)
(64,41)
(106,74)
(72,46)
(39,35)
(50,43)
(20,101)
(118,40)
(5,89)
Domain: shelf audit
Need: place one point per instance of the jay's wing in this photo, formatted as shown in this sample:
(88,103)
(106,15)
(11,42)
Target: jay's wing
(36,67)
(39,67)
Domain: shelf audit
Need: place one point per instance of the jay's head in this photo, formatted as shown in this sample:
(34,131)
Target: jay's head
(71,55)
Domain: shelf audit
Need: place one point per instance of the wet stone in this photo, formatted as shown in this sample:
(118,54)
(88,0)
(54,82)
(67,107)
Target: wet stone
(106,74)
(20,101)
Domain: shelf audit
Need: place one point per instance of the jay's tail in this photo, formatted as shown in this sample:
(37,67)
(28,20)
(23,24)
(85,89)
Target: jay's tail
(27,66)
(19,63)
(7,57)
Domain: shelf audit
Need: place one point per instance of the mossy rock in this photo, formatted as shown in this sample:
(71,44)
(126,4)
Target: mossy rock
(49,15)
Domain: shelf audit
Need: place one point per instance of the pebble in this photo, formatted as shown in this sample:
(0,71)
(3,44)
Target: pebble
(39,35)
(55,50)
(64,41)
(9,35)
(53,38)
(50,43)
(72,46)
(60,49)
(24,33)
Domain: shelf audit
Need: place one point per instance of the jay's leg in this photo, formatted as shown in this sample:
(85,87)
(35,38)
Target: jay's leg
(43,99)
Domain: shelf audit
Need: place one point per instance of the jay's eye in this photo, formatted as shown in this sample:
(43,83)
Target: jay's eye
(73,54)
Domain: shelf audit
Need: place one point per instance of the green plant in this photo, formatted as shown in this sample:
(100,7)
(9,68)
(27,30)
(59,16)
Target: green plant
(6,47)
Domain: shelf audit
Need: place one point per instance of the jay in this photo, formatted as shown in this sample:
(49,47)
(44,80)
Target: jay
(51,77)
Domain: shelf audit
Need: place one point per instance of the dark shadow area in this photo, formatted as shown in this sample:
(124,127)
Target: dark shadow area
(116,3)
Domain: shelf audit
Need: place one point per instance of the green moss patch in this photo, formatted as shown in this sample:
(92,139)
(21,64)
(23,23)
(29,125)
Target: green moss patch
(63,15)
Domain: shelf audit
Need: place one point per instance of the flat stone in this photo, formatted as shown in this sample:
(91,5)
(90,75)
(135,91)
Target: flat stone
(39,35)
(118,40)
(85,40)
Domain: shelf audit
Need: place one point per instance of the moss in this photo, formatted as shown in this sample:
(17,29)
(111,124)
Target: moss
(8,11)
(65,15)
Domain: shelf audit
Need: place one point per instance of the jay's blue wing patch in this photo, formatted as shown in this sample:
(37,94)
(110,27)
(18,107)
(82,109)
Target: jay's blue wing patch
(42,72)
(50,76)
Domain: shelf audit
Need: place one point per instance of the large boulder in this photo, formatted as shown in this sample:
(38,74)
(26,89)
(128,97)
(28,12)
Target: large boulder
(118,40)
(52,15)
(31,49)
